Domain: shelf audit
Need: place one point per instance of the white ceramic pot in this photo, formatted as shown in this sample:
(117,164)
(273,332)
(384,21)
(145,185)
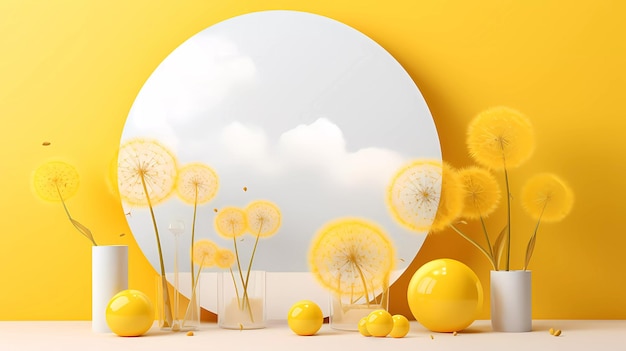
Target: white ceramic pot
(511,304)
(109,275)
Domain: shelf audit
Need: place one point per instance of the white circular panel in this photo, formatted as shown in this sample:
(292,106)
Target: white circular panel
(303,111)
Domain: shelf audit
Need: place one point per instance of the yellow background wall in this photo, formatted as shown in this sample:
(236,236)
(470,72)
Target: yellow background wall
(70,70)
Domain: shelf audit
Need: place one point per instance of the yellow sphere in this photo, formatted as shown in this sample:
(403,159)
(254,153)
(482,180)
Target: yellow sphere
(445,295)
(379,323)
(305,318)
(401,326)
(363,327)
(130,313)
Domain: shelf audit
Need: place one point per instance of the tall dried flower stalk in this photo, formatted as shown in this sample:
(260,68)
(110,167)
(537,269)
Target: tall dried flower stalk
(147,173)
(58,181)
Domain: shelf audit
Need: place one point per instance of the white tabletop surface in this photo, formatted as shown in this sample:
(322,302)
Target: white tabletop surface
(77,335)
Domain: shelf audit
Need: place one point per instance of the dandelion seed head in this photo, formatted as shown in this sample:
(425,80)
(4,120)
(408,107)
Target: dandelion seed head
(352,256)
(263,217)
(547,196)
(224,258)
(231,222)
(197,183)
(414,193)
(148,160)
(500,137)
(481,193)
(55,181)
(451,200)
(204,252)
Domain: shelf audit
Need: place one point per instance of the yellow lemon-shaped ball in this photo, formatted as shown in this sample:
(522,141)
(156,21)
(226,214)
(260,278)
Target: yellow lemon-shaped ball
(401,326)
(305,317)
(130,313)
(379,323)
(445,295)
(363,327)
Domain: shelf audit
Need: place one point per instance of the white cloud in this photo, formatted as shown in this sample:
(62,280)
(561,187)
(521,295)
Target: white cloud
(191,81)
(369,166)
(318,148)
(319,145)
(246,145)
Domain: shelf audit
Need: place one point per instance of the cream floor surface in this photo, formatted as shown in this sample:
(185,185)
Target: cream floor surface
(77,335)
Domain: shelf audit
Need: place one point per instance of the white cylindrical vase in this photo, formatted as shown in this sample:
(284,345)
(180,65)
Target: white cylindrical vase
(511,303)
(109,275)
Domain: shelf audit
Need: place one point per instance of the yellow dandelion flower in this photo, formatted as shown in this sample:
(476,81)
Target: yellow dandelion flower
(204,252)
(547,198)
(56,181)
(451,200)
(224,258)
(147,172)
(263,218)
(500,137)
(414,192)
(352,256)
(231,222)
(481,192)
(197,183)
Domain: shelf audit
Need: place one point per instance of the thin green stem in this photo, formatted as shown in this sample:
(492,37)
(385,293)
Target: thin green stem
(256,243)
(245,285)
(473,242)
(482,222)
(198,275)
(190,313)
(235,284)
(367,295)
(166,295)
(532,239)
(243,282)
(72,220)
(193,231)
(507,267)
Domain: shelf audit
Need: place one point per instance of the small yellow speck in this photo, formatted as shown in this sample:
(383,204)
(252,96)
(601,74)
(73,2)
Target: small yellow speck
(45,143)
(240,327)
(455,334)
(557,332)
(432,337)
(215,210)
(190,333)
(551,331)
(245,188)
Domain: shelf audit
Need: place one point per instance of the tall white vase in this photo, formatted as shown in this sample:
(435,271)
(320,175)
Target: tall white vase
(511,304)
(109,275)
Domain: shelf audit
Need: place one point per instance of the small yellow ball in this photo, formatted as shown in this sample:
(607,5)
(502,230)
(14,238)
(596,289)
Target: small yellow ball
(363,327)
(379,323)
(305,318)
(401,326)
(130,313)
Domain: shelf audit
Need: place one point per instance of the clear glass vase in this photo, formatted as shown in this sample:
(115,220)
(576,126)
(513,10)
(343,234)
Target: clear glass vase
(241,300)
(347,310)
(180,313)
